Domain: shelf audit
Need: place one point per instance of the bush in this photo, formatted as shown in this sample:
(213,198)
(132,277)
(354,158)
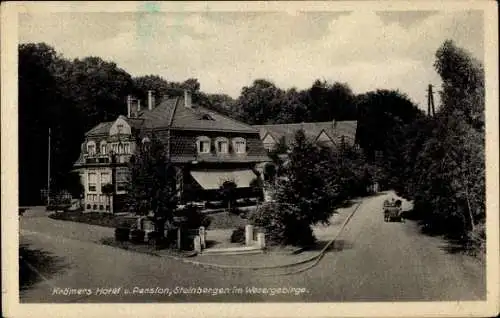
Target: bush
(238,235)
(195,218)
(281,225)
(122,234)
(137,236)
(477,239)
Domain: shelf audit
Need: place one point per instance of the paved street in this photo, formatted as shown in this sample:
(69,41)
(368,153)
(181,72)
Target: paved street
(377,261)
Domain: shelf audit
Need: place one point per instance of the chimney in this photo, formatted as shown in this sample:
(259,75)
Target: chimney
(187,99)
(151,100)
(129,102)
(334,124)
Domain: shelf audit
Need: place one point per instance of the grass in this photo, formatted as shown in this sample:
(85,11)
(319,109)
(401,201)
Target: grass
(219,220)
(93,218)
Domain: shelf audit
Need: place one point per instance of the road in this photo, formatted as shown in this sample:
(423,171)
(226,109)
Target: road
(378,261)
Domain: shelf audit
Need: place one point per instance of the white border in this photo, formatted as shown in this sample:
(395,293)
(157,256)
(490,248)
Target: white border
(10,286)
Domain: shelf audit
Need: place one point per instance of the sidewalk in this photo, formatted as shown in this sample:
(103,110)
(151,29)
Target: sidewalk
(277,256)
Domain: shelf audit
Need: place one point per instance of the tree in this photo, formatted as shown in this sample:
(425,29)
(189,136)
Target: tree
(227,192)
(152,186)
(382,114)
(463,83)
(257,185)
(307,193)
(441,164)
(73,184)
(326,102)
(260,103)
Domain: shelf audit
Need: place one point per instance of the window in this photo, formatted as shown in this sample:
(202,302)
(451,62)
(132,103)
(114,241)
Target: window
(92,182)
(120,128)
(121,179)
(239,145)
(126,148)
(221,145)
(203,144)
(120,148)
(103,147)
(105,178)
(114,147)
(91,148)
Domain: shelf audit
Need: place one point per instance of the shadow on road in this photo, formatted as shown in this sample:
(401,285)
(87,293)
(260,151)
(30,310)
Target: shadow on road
(453,242)
(32,260)
(336,246)
(454,246)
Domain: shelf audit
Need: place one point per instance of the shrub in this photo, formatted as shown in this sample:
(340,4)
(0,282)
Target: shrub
(195,218)
(137,236)
(238,235)
(122,234)
(477,239)
(281,225)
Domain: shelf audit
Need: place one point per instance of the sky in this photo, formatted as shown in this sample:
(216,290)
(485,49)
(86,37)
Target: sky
(226,51)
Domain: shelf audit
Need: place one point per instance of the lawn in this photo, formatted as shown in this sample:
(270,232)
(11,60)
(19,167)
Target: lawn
(93,218)
(219,220)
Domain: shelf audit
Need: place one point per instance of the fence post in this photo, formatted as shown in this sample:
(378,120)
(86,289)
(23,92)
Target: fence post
(179,238)
(248,234)
(261,240)
(202,234)
(197,244)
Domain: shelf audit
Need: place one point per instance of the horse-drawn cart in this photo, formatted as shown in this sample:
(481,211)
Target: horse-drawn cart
(392,210)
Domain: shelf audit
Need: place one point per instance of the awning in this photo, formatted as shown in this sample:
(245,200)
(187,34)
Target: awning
(213,179)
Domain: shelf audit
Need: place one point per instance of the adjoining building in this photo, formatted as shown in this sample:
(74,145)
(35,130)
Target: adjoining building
(330,134)
(207,149)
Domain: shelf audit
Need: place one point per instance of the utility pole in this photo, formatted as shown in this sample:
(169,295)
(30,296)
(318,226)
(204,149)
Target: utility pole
(48,173)
(431,111)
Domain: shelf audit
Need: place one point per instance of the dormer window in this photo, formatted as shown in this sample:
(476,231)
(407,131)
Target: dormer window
(120,128)
(91,148)
(222,145)
(239,145)
(203,144)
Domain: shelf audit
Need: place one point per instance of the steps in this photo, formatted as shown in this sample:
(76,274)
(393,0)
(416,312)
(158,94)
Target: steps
(233,250)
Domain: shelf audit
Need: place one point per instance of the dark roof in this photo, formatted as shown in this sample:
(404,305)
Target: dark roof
(172,113)
(161,115)
(100,129)
(312,130)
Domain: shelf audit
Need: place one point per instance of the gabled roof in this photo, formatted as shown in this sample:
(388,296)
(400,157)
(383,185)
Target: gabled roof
(312,130)
(100,129)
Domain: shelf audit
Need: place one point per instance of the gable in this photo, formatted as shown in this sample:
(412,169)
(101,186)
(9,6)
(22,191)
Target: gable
(323,137)
(120,126)
(268,139)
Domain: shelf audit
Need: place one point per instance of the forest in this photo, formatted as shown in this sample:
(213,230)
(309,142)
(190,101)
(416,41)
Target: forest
(437,161)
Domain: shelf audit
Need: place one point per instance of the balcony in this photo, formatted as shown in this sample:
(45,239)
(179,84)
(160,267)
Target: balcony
(105,159)
(96,158)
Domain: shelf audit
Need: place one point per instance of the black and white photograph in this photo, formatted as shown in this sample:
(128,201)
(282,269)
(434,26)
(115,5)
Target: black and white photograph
(251,153)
